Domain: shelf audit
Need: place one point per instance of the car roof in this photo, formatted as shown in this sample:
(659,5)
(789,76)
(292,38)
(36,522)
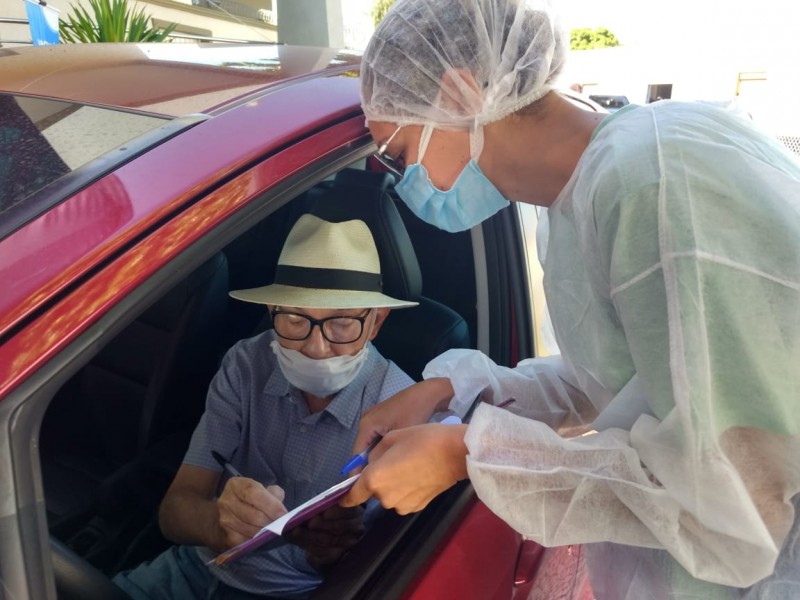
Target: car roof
(174,79)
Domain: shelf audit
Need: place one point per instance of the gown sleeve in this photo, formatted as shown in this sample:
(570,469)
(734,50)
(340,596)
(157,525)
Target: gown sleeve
(543,389)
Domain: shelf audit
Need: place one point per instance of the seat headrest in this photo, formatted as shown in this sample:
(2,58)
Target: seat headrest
(364,195)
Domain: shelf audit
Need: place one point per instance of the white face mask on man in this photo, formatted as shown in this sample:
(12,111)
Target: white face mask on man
(321,377)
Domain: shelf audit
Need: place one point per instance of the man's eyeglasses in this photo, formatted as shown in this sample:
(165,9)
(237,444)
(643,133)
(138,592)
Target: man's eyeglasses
(337,330)
(387,161)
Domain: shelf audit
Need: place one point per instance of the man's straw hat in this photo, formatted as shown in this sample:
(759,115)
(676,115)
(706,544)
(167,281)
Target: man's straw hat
(326,265)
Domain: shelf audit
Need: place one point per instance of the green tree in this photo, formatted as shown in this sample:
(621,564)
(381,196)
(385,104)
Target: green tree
(379,10)
(110,21)
(589,39)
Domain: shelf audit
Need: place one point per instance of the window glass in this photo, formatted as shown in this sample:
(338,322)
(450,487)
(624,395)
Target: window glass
(42,140)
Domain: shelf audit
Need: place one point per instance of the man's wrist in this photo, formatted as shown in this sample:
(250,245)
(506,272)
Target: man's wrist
(212,535)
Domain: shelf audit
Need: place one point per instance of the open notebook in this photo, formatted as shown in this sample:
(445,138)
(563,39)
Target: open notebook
(293,518)
(272,533)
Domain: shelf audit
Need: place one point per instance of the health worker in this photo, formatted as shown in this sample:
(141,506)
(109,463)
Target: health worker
(672,274)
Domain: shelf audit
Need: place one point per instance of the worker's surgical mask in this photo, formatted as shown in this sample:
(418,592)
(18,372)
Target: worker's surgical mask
(321,377)
(472,199)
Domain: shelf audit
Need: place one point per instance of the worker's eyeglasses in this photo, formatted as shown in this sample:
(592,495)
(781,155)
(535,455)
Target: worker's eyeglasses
(337,330)
(394,165)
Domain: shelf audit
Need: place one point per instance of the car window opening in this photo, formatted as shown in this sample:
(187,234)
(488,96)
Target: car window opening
(115,434)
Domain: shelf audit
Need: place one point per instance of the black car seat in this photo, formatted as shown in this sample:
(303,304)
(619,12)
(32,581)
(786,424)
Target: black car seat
(149,382)
(411,336)
(252,258)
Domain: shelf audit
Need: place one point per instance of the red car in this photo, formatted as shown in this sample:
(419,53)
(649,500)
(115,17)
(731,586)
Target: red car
(138,184)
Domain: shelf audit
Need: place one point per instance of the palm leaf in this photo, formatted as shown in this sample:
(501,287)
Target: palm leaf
(111,21)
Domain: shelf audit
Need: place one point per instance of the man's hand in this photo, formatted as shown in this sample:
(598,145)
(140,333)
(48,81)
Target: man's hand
(411,466)
(243,509)
(327,536)
(411,406)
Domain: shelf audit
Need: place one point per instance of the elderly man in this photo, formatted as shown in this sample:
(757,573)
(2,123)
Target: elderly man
(283,411)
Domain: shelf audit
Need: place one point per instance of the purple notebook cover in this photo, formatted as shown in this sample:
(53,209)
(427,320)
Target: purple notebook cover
(324,501)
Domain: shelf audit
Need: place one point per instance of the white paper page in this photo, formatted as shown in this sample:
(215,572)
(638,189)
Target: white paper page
(278,524)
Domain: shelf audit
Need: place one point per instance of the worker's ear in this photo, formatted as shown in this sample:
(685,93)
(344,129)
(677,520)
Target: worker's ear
(460,94)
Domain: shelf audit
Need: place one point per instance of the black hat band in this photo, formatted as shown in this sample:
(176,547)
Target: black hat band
(328,279)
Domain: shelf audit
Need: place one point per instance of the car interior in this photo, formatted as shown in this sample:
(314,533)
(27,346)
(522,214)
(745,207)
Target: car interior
(115,434)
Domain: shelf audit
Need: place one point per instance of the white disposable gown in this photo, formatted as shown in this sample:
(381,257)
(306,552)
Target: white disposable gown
(673,281)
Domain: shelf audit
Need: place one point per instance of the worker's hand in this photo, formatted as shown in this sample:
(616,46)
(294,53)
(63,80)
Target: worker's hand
(244,508)
(412,406)
(412,466)
(327,536)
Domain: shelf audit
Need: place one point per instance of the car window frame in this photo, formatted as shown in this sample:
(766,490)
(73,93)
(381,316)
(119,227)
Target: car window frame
(510,327)
(25,406)
(26,568)
(529,217)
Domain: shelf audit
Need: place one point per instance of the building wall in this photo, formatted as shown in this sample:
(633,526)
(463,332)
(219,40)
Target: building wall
(756,80)
(190,18)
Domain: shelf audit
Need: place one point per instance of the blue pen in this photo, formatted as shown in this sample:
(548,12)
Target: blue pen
(362,458)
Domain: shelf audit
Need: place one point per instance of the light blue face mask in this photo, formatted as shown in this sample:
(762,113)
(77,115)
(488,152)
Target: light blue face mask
(472,199)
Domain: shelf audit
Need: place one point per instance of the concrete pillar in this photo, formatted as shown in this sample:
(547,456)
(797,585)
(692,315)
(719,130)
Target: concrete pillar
(311,23)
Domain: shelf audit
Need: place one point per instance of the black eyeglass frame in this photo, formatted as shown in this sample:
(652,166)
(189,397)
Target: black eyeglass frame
(319,323)
(391,164)
(386,160)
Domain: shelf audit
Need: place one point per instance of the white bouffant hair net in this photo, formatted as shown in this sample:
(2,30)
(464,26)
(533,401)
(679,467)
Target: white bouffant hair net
(460,63)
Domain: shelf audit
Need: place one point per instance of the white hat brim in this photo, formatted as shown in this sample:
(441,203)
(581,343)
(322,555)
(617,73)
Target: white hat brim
(300,297)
